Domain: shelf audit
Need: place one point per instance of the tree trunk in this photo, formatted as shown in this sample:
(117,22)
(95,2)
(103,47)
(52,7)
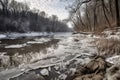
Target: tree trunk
(117,13)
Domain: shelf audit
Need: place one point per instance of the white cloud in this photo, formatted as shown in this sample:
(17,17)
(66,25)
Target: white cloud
(49,6)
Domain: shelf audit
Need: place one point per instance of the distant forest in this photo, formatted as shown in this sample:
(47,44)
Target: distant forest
(17,17)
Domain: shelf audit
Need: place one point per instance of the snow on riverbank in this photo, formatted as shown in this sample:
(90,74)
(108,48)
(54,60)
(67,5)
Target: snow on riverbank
(29,34)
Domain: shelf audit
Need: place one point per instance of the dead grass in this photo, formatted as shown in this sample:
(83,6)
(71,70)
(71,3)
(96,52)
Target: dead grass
(108,47)
(113,73)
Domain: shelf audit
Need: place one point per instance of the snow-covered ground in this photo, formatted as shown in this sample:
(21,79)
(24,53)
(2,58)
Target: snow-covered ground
(29,34)
(62,58)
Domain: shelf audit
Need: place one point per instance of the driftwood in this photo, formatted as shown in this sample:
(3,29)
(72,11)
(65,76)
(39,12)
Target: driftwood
(85,33)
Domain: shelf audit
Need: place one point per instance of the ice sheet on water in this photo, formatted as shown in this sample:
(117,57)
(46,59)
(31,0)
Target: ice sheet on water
(14,35)
(39,41)
(33,34)
(24,34)
(34,42)
(16,46)
(42,39)
(6,75)
(2,36)
(114,59)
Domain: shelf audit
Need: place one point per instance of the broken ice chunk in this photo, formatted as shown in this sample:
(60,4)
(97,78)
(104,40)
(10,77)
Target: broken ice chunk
(44,72)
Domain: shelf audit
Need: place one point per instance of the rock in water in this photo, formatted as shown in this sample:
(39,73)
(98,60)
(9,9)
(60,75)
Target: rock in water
(44,72)
(90,77)
(76,40)
(94,70)
(97,64)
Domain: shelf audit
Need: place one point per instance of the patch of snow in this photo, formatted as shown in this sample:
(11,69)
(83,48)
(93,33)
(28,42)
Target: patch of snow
(29,34)
(56,67)
(63,76)
(72,71)
(82,59)
(42,40)
(16,46)
(4,60)
(34,42)
(96,36)
(34,34)
(39,41)
(114,59)
(49,68)
(113,37)
(89,35)
(118,33)
(2,36)
(86,61)
(2,53)
(107,33)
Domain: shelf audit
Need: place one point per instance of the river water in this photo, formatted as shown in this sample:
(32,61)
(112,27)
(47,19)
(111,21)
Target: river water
(35,58)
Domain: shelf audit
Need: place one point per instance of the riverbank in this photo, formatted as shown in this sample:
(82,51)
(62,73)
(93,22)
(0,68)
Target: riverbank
(105,65)
(70,55)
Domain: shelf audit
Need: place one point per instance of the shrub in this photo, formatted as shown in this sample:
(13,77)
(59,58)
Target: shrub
(108,47)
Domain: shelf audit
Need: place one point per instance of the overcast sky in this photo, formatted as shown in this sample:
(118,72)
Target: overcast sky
(51,7)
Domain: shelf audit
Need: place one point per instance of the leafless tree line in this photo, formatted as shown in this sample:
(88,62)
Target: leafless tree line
(17,17)
(94,15)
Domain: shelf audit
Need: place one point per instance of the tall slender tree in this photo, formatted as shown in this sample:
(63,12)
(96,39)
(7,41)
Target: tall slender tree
(117,12)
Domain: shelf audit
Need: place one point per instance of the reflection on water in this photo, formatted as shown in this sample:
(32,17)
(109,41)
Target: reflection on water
(41,58)
(12,56)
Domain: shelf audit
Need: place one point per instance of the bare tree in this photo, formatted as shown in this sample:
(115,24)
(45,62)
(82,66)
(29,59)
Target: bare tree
(97,14)
(117,12)
(4,4)
(103,6)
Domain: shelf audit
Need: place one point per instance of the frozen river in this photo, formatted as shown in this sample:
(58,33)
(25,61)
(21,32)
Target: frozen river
(45,58)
